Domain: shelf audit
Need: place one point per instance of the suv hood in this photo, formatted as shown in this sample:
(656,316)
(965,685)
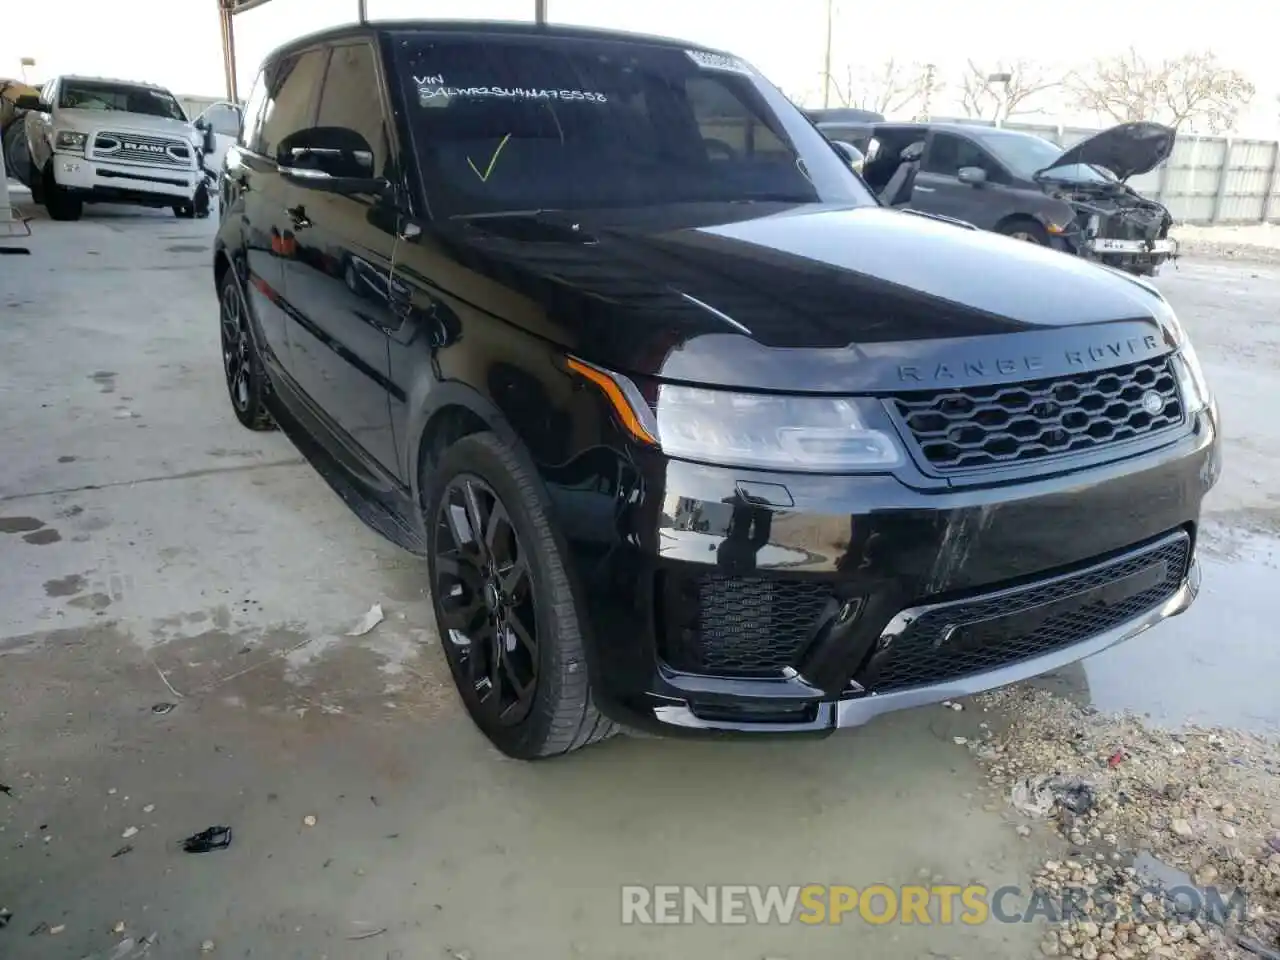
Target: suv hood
(89,121)
(1127,150)
(806,298)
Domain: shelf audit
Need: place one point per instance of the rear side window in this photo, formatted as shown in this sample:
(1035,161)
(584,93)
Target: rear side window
(291,88)
(352,99)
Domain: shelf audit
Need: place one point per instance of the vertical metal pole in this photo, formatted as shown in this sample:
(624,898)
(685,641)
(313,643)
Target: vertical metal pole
(1273,183)
(362,9)
(1221,192)
(540,12)
(826,61)
(227,24)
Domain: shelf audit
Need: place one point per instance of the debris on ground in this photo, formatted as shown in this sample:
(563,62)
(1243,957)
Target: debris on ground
(1180,818)
(214,838)
(309,820)
(206,946)
(6,789)
(160,709)
(373,616)
(129,832)
(127,848)
(5,916)
(119,927)
(39,928)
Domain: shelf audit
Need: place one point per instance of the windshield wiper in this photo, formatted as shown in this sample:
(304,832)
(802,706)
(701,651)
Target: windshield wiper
(499,214)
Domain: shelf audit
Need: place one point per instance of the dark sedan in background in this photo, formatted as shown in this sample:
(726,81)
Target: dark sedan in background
(1026,187)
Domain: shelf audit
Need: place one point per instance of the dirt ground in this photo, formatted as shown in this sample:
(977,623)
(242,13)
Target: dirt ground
(153,552)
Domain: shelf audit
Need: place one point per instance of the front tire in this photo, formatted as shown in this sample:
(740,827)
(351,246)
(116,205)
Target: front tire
(241,363)
(60,204)
(1028,231)
(504,603)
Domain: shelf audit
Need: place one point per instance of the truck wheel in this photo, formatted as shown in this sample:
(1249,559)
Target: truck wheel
(1024,229)
(60,204)
(504,604)
(17,158)
(246,376)
(184,211)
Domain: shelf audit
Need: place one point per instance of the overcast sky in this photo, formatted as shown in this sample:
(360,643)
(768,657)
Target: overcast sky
(175,42)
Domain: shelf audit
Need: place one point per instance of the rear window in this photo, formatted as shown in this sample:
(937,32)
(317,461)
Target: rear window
(514,123)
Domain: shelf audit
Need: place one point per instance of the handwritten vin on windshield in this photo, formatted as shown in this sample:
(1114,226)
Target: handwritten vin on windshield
(432,88)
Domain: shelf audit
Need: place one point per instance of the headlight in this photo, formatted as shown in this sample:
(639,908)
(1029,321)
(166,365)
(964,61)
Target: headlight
(1195,389)
(811,434)
(781,433)
(70,140)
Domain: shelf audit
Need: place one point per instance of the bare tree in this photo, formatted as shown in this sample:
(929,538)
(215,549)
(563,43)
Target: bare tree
(887,88)
(1004,89)
(1190,89)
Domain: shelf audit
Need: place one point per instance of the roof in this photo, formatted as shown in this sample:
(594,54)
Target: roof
(114,80)
(951,126)
(480,27)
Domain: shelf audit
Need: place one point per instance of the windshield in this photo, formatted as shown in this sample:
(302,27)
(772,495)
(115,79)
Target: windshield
(126,98)
(515,123)
(1080,173)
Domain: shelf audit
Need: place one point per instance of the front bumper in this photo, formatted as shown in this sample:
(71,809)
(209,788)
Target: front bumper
(111,182)
(814,580)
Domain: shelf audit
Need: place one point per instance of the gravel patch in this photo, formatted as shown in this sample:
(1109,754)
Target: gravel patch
(1173,836)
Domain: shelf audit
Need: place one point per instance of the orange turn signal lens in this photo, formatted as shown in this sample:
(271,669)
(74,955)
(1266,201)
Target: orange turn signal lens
(617,397)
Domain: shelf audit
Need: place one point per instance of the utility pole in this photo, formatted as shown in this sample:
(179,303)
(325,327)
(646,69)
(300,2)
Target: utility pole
(826,64)
(930,78)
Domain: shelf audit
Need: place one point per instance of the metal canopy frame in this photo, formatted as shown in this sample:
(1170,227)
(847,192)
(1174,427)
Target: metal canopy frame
(227,10)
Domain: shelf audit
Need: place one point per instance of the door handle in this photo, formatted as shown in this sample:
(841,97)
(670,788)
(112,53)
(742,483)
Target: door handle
(299,217)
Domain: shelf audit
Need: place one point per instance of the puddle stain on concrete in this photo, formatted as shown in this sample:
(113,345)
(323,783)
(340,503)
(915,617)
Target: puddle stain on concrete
(105,379)
(43,537)
(19,524)
(90,601)
(67,586)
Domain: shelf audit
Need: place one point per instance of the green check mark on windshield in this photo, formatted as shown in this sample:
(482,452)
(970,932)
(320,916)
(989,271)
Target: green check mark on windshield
(484,177)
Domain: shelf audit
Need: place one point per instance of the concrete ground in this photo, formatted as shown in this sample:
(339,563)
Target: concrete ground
(155,552)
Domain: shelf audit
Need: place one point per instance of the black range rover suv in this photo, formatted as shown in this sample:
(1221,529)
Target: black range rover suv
(695,435)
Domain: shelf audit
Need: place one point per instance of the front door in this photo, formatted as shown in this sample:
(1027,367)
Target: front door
(338,276)
(938,188)
(282,101)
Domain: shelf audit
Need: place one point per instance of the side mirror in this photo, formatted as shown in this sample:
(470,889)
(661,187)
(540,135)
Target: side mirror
(332,159)
(852,155)
(208,142)
(30,101)
(973,176)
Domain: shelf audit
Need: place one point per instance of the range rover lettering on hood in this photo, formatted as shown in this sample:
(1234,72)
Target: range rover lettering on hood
(1032,365)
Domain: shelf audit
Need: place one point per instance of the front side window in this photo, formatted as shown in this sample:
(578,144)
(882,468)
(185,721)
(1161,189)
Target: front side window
(291,87)
(517,123)
(352,99)
(948,154)
(223,119)
(119,97)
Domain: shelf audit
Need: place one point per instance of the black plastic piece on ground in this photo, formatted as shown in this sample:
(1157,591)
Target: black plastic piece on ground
(215,838)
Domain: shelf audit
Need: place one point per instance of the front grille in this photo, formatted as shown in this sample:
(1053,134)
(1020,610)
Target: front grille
(138,148)
(937,647)
(974,427)
(741,626)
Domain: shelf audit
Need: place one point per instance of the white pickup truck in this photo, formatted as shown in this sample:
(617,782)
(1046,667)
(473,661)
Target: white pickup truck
(113,141)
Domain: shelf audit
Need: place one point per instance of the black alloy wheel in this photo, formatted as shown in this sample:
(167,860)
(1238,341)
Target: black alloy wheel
(505,604)
(240,362)
(488,609)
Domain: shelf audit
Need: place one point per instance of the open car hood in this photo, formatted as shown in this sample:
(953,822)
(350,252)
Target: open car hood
(1127,150)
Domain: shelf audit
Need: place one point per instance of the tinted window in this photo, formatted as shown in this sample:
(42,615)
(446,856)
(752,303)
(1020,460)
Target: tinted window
(503,123)
(118,97)
(249,134)
(291,87)
(947,153)
(352,99)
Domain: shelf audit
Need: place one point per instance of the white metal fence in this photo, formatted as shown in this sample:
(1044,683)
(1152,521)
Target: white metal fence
(1205,180)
